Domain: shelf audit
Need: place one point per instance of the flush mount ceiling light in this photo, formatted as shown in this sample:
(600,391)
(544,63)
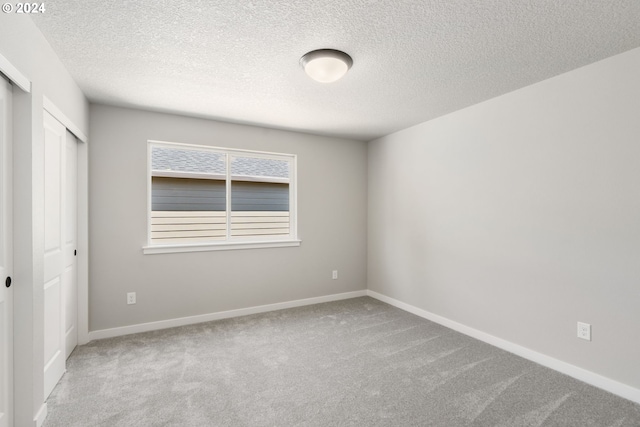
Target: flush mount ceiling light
(326,65)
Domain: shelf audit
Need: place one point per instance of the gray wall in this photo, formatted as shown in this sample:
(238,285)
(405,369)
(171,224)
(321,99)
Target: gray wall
(521,216)
(331,214)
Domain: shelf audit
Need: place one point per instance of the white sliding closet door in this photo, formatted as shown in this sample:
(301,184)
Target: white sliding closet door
(54,180)
(70,275)
(6,258)
(54,257)
(60,236)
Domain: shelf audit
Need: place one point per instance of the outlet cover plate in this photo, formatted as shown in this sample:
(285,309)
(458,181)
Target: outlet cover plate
(584,331)
(131,298)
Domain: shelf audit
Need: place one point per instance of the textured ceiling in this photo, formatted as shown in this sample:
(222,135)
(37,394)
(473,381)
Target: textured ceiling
(413,60)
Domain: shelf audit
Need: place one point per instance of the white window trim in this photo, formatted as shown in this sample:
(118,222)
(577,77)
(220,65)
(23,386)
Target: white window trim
(225,246)
(290,240)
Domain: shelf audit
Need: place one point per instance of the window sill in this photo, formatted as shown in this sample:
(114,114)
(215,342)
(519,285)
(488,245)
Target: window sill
(227,246)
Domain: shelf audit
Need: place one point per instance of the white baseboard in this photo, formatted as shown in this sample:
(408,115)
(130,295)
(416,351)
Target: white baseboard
(38,420)
(171,323)
(581,374)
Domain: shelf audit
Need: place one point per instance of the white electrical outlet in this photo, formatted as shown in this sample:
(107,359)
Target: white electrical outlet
(584,331)
(334,276)
(131,298)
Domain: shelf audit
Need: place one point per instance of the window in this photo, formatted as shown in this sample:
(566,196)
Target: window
(210,198)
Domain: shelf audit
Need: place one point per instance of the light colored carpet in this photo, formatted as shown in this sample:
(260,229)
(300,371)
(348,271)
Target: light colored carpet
(356,362)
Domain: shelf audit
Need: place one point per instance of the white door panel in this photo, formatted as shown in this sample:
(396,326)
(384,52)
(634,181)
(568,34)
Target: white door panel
(54,135)
(54,230)
(70,274)
(71,311)
(6,258)
(52,263)
(52,315)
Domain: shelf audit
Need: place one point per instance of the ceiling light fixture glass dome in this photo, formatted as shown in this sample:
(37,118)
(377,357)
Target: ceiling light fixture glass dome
(326,65)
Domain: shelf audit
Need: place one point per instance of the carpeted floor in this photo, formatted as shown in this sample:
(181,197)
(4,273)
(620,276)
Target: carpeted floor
(356,362)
